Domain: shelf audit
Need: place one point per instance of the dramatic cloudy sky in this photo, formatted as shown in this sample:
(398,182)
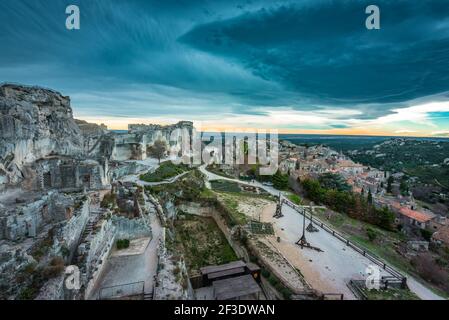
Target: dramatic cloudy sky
(306,66)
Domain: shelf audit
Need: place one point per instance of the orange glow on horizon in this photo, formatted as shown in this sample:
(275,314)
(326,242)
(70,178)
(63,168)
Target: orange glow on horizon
(120,124)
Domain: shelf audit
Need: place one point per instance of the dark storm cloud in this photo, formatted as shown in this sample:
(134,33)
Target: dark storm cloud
(324,52)
(227,57)
(125,47)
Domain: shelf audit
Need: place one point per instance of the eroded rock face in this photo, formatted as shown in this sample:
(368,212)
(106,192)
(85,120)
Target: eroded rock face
(34,123)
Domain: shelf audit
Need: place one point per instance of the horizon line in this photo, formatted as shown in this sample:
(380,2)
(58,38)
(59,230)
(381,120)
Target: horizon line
(317,134)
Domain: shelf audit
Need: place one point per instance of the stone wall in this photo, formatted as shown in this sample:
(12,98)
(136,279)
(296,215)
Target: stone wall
(28,220)
(100,248)
(69,235)
(131,228)
(63,173)
(167,286)
(210,211)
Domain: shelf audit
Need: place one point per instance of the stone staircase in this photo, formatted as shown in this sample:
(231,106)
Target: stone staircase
(94,217)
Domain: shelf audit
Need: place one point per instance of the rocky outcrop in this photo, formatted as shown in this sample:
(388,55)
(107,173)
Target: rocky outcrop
(98,141)
(34,124)
(41,145)
(145,128)
(91,129)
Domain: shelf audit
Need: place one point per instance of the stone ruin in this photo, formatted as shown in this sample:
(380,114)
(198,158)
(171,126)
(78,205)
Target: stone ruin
(34,232)
(42,146)
(50,166)
(27,219)
(68,174)
(134,144)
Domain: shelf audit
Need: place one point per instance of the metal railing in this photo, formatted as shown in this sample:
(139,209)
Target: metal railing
(396,274)
(356,286)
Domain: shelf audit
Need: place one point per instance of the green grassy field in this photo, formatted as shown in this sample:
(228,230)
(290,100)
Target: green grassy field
(295,198)
(202,242)
(225,186)
(165,171)
(231,187)
(230,202)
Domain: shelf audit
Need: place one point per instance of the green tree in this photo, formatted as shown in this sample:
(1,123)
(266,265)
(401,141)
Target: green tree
(354,205)
(333,181)
(404,187)
(280,181)
(390,184)
(385,218)
(157,150)
(370,197)
(313,189)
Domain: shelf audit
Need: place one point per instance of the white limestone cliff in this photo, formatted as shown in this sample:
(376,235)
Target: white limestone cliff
(34,123)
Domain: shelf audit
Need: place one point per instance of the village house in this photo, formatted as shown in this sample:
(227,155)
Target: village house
(350,167)
(419,219)
(289,165)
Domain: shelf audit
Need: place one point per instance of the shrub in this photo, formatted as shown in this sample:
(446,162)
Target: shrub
(426,234)
(176,270)
(273,280)
(122,244)
(28,293)
(372,234)
(109,201)
(54,269)
(65,251)
(280,181)
(30,268)
(265,273)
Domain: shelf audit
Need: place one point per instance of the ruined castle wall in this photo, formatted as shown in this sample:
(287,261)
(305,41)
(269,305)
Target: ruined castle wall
(122,152)
(28,220)
(69,235)
(133,145)
(63,173)
(131,228)
(100,248)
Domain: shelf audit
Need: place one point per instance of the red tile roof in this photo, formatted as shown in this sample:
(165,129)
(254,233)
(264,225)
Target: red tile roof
(415,215)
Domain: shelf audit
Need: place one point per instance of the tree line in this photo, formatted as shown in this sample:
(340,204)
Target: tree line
(340,199)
